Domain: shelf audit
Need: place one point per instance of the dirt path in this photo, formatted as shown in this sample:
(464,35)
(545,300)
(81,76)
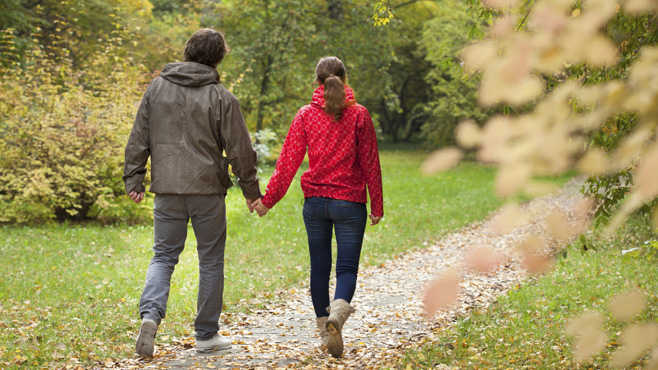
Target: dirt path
(388,304)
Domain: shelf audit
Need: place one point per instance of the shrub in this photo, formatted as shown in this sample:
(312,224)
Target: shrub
(62,134)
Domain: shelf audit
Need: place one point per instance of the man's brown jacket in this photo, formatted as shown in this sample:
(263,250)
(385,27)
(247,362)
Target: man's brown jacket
(185,122)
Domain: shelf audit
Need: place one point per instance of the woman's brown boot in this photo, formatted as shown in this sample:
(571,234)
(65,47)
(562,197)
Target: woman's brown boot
(339,311)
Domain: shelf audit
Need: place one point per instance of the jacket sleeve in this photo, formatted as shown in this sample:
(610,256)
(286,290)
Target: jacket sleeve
(292,155)
(239,150)
(369,163)
(138,149)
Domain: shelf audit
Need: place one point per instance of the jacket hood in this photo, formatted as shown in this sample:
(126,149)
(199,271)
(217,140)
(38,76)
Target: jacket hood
(190,74)
(318,97)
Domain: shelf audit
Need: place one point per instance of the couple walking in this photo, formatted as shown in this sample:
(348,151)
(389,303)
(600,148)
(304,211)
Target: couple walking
(186,121)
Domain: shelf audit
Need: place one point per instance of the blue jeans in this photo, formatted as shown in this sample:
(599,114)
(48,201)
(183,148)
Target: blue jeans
(321,216)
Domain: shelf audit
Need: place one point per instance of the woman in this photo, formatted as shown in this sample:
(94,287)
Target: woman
(343,160)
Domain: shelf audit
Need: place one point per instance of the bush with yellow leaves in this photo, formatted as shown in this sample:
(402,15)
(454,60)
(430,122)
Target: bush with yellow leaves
(62,133)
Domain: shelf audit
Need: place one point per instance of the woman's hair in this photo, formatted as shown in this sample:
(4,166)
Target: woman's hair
(206,46)
(330,72)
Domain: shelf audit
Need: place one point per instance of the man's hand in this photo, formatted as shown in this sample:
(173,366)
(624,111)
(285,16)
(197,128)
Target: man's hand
(250,204)
(374,220)
(135,196)
(260,208)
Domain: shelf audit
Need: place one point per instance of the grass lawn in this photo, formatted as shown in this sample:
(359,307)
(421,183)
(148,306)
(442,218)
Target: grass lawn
(526,328)
(71,291)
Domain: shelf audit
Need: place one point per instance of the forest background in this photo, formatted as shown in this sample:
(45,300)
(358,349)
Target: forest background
(546,88)
(73,72)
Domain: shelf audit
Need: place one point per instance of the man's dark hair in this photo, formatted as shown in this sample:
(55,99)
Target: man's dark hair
(206,46)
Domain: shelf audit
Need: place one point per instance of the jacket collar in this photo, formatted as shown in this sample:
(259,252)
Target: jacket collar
(318,97)
(190,74)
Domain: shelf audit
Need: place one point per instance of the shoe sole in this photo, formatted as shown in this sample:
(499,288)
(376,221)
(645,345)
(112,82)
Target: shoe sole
(214,348)
(335,340)
(146,339)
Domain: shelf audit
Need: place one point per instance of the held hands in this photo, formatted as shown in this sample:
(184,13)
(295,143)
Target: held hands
(135,196)
(258,206)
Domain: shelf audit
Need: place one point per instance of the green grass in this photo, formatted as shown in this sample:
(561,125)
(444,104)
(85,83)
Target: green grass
(71,291)
(525,328)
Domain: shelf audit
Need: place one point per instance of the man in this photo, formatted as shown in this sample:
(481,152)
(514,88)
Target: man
(185,122)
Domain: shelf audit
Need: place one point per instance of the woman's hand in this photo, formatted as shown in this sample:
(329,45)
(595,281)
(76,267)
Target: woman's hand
(136,196)
(374,220)
(260,208)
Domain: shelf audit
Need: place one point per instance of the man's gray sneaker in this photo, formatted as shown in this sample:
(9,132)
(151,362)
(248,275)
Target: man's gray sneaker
(146,338)
(216,343)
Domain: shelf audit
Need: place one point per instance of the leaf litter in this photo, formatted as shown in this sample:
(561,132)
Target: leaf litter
(470,268)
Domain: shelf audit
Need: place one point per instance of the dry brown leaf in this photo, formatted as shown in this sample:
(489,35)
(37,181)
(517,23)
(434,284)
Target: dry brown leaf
(581,324)
(547,18)
(536,263)
(511,179)
(640,6)
(558,225)
(516,66)
(589,344)
(494,137)
(533,255)
(601,52)
(526,90)
(503,26)
(655,217)
(468,134)
(627,305)
(594,163)
(495,89)
(590,337)
(483,259)
(533,243)
(583,208)
(500,4)
(441,160)
(509,217)
(479,55)
(539,188)
(442,292)
(646,175)
(635,340)
(630,148)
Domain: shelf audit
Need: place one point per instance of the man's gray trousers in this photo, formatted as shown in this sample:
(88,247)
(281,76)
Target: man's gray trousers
(170,217)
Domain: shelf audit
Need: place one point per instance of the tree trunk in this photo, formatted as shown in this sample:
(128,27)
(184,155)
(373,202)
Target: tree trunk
(264,86)
(335,9)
